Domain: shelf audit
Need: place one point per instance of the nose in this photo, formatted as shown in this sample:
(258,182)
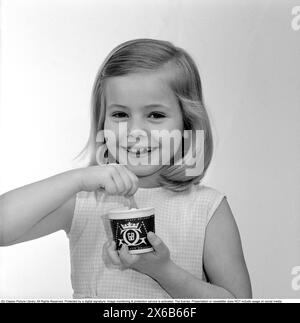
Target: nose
(137,128)
(137,125)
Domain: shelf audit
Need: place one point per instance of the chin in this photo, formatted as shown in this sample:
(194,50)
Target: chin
(144,170)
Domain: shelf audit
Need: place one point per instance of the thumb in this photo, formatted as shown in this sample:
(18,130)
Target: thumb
(156,242)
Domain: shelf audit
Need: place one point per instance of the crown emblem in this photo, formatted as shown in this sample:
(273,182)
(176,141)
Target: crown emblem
(131,234)
(130,226)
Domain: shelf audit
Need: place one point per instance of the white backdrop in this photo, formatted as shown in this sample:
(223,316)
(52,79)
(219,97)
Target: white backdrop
(248,58)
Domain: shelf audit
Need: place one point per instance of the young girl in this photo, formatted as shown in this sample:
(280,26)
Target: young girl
(147,85)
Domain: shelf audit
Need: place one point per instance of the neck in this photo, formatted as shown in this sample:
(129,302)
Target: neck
(149,181)
(145,182)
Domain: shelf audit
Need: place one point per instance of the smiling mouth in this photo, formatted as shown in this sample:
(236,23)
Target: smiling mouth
(140,151)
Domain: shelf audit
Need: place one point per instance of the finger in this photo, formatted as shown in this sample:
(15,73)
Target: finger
(117,178)
(157,243)
(126,179)
(134,181)
(110,185)
(113,254)
(126,258)
(105,246)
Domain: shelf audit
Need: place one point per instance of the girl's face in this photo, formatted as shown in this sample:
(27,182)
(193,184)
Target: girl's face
(142,103)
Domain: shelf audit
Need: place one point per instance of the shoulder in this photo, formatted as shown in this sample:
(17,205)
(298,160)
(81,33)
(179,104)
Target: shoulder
(209,198)
(206,191)
(220,219)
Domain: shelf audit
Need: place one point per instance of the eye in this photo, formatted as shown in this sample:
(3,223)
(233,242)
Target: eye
(119,115)
(157,115)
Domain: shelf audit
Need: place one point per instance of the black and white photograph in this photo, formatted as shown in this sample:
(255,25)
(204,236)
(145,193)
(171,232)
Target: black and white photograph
(150,150)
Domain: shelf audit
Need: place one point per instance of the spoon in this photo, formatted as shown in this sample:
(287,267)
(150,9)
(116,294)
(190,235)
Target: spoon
(132,202)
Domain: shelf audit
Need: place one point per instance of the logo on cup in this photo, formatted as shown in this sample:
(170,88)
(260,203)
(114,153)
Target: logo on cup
(131,233)
(132,229)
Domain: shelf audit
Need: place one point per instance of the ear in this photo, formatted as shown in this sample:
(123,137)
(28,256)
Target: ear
(102,154)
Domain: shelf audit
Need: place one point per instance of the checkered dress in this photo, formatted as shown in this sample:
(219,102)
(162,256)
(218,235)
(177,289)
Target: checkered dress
(180,220)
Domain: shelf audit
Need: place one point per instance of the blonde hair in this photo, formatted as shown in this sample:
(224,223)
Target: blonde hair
(140,55)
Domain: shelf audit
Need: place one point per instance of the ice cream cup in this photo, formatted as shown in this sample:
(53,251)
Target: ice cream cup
(130,227)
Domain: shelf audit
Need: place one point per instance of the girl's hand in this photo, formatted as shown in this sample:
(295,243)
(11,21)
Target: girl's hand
(150,263)
(115,179)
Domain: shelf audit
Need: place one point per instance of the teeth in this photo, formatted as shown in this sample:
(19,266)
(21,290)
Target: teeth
(139,151)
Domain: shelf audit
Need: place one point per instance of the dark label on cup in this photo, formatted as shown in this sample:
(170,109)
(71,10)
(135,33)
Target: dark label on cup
(133,232)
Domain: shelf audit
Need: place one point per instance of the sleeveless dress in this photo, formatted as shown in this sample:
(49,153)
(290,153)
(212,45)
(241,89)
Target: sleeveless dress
(181,219)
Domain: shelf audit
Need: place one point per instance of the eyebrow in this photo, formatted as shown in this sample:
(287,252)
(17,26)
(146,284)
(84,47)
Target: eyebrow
(153,105)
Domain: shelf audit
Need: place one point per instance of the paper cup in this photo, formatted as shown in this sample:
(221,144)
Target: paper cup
(130,227)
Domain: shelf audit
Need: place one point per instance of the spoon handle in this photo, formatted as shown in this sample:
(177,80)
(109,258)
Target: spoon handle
(132,202)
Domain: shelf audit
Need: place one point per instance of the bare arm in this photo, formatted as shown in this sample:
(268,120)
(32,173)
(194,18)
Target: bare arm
(59,219)
(24,211)
(223,261)
(38,209)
